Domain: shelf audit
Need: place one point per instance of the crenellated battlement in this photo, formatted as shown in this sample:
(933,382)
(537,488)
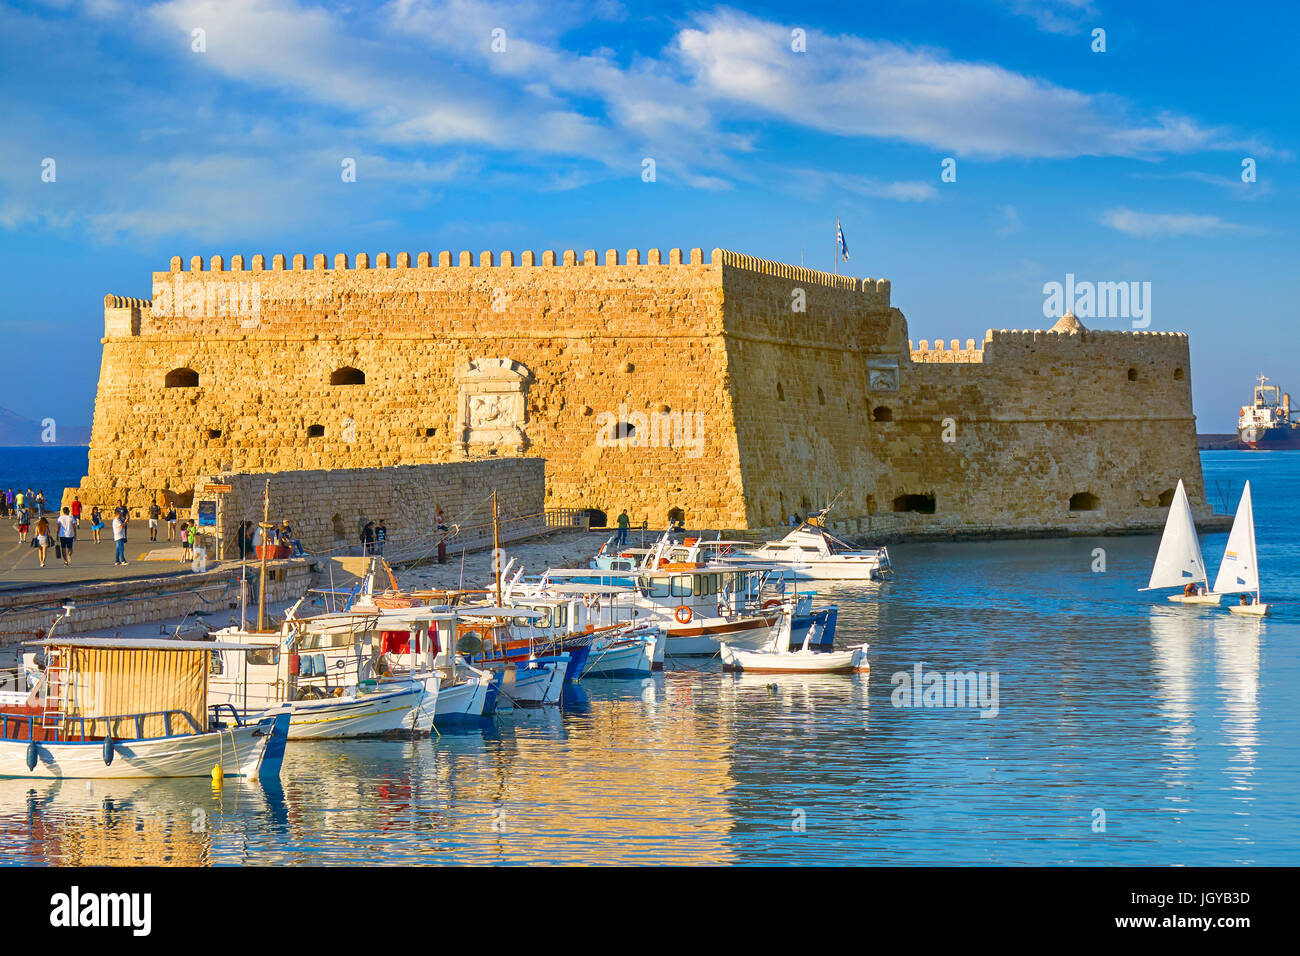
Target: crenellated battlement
(528,259)
(954,353)
(463,260)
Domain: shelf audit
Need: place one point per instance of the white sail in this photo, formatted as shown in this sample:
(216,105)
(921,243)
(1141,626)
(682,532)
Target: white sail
(1179,560)
(1240,568)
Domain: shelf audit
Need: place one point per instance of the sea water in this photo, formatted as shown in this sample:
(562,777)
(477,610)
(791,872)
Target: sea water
(1128,730)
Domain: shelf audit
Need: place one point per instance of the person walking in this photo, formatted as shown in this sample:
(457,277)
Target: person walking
(381,536)
(76,509)
(120,511)
(623,521)
(185,541)
(368,539)
(442,523)
(119,540)
(171,522)
(40,502)
(67,535)
(154,514)
(9,499)
(42,539)
(23,519)
(96,524)
(20,500)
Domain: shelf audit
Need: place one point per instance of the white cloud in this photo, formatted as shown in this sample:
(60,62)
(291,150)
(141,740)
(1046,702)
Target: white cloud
(866,88)
(1153,225)
(1054,16)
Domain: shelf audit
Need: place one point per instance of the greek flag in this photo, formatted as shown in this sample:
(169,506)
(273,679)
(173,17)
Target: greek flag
(841,246)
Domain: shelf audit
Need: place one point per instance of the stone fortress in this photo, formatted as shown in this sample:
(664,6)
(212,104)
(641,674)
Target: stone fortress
(732,390)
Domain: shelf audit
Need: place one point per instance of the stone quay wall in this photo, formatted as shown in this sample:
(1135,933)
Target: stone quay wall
(327,508)
(736,390)
(99,608)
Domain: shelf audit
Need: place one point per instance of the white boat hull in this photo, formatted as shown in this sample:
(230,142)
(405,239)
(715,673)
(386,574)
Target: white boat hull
(624,659)
(851,660)
(367,715)
(1195,598)
(239,751)
(702,636)
(525,685)
(466,699)
(1250,610)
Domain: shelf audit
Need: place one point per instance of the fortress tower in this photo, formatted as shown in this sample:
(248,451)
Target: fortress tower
(735,389)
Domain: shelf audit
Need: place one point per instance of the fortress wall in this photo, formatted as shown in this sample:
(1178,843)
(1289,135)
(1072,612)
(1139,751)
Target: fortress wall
(1043,417)
(328,508)
(598,342)
(1037,418)
(779,387)
(800,381)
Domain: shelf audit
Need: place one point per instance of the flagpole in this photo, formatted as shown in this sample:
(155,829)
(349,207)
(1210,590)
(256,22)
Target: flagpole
(837,245)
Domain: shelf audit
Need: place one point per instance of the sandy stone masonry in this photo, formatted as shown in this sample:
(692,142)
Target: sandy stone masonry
(735,389)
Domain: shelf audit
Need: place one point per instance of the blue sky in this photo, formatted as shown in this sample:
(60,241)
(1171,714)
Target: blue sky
(1123,165)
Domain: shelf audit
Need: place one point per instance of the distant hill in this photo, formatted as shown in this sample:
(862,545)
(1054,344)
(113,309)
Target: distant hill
(16,430)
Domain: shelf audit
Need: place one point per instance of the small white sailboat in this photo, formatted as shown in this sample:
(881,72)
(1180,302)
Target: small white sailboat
(1239,571)
(1179,562)
(777,658)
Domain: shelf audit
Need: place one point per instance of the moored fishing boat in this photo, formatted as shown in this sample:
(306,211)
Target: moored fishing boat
(777,658)
(113,707)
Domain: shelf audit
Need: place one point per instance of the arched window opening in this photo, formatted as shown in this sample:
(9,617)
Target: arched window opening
(1132,375)
(882,413)
(347,375)
(1179,375)
(1166,498)
(182,378)
(315,431)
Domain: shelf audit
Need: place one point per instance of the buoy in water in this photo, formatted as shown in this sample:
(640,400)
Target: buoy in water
(31,755)
(108,751)
(217,775)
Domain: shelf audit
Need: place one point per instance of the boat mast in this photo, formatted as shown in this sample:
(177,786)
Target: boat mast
(261,585)
(496,546)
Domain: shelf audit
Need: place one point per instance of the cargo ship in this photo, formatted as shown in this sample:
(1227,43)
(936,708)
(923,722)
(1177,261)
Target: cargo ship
(1266,423)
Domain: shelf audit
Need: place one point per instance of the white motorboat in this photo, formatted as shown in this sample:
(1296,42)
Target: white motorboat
(811,552)
(1239,571)
(112,707)
(1179,562)
(777,658)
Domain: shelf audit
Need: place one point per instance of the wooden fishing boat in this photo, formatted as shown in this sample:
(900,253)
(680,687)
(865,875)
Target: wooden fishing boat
(111,707)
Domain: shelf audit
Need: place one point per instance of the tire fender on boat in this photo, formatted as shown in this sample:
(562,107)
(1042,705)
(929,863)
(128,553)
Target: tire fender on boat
(683,614)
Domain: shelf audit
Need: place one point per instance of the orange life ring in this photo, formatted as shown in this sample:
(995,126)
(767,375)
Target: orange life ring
(771,602)
(682,614)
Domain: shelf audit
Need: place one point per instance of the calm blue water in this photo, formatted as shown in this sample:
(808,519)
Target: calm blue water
(48,467)
(1180,725)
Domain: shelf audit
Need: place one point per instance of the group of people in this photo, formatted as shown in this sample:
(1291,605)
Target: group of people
(375,536)
(14,501)
(251,538)
(28,510)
